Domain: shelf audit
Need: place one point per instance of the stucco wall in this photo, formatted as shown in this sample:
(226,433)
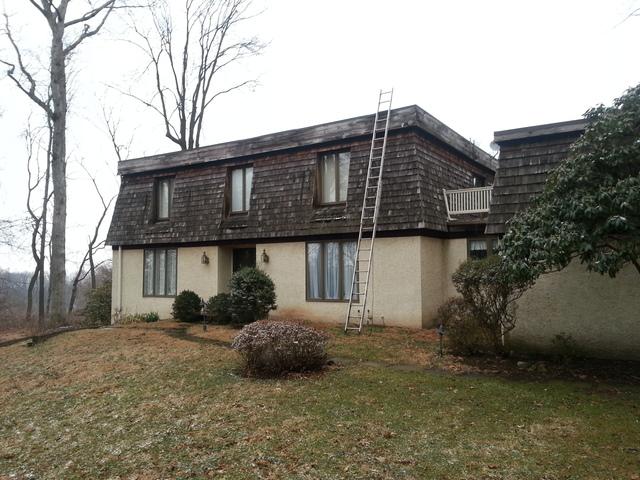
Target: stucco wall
(410,279)
(601,314)
(396,295)
(192,275)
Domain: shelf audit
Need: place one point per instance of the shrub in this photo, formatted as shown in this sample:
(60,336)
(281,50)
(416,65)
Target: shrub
(490,294)
(139,318)
(252,295)
(98,308)
(218,308)
(186,306)
(274,348)
(564,348)
(151,317)
(463,333)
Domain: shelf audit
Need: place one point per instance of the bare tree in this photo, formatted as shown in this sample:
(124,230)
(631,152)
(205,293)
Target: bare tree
(38,218)
(65,36)
(188,54)
(93,246)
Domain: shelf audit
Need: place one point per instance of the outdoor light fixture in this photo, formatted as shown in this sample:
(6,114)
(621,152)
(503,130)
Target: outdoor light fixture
(265,257)
(204,259)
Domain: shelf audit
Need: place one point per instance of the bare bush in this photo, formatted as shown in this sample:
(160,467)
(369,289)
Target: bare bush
(275,348)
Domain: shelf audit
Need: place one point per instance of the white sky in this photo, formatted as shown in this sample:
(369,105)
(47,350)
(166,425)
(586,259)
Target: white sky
(479,66)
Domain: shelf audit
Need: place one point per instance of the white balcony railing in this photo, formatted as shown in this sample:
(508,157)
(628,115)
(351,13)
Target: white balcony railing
(467,200)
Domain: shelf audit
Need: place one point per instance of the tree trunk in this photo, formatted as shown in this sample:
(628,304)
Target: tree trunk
(57,277)
(43,236)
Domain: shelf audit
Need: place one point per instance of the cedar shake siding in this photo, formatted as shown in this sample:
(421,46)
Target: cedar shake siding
(423,157)
(527,155)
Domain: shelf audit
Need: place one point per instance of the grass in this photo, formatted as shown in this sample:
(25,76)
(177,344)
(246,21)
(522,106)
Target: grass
(148,401)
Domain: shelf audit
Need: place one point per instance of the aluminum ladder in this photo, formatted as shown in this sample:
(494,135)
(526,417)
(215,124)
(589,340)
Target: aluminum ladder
(356,311)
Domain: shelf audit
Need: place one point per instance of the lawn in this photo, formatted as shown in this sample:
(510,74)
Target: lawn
(166,401)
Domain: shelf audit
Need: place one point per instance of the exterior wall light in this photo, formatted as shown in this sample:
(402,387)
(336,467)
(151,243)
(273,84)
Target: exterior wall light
(265,257)
(204,259)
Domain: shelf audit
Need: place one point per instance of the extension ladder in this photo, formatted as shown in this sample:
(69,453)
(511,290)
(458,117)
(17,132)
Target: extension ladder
(356,311)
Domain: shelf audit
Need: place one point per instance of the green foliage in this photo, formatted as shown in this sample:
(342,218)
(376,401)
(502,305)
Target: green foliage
(590,207)
(218,309)
(274,348)
(565,348)
(252,296)
(98,308)
(139,318)
(186,306)
(464,335)
(490,296)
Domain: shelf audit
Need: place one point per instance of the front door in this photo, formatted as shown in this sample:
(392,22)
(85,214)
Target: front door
(244,257)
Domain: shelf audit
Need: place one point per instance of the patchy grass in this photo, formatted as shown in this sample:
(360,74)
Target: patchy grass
(164,401)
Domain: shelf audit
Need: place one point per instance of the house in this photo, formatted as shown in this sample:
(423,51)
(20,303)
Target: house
(600,315)
(290,203)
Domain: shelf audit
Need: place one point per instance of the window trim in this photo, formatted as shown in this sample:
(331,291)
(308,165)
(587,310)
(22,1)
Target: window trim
(153,283)
(244,168)
(489,242)
(340,271)
(156,194)
(319,177)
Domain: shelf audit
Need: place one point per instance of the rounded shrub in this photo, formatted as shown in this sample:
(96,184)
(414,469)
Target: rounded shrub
(218,308)
(186,306)
(274,348)
(252,296)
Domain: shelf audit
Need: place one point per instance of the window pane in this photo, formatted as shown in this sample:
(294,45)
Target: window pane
(348,265)
(477,249)
(148,272)
(343,179)
(495,246)
(161,270)
(236,190)
(163,199)
(247,187)
(171,272)
(313,270)
(331,270)
(328,174)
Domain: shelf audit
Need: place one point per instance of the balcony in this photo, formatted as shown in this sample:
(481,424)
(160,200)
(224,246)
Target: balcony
(466,201)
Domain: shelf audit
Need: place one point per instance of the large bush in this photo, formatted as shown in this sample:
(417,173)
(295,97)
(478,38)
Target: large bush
(186,307)
(98,308)
(274,348)
(490,295)
(252,295)
(218,309)
(464,335)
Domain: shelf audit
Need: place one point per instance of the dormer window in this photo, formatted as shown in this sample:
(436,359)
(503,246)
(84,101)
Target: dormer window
(163,198)
(334,177)
(241,181)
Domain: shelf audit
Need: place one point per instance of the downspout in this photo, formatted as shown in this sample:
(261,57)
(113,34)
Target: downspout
(119,309)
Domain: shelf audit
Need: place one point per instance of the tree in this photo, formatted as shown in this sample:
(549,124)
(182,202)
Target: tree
(66,36)
(590,206)
(188,58)
(38,217)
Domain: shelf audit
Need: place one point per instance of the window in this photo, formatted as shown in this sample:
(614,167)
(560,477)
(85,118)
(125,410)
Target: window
(163,198)
(330,270)
(482,247)
(334,177)
(241,180)
(160,272)
(479,181)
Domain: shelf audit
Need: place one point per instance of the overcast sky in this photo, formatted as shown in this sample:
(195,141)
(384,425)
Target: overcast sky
(478,66)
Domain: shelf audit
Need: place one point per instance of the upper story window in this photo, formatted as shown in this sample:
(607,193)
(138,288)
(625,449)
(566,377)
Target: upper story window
(334,177)
(479,248)
(241,181)
(479,181)
(163,198)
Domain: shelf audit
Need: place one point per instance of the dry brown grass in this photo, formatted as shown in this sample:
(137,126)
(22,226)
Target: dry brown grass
(164,401)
